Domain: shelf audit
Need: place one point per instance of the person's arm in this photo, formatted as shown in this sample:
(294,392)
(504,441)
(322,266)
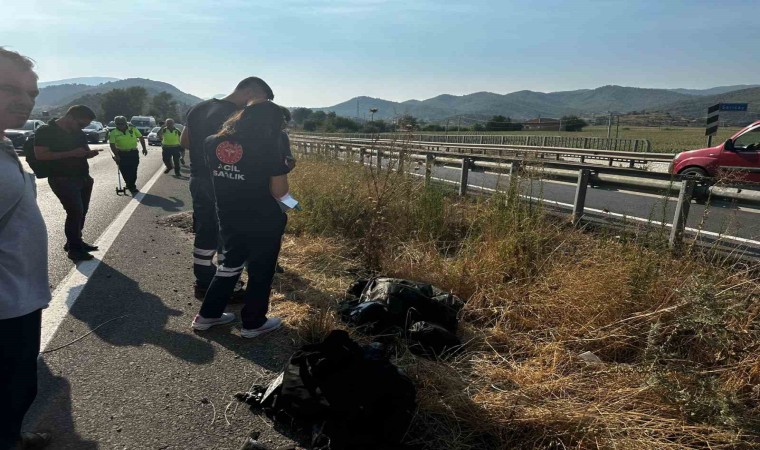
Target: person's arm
(160,134)
(43,153)
(278,186)
(184,138)
(142,142)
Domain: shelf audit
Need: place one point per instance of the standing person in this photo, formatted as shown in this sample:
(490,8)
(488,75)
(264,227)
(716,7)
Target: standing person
(123,140)
(171,150)
(203,120)
(249,175)
(64,145)
(24,289)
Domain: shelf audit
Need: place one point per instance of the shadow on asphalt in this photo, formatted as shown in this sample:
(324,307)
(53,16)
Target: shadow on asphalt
(172,204)
(52,411)
(111,294)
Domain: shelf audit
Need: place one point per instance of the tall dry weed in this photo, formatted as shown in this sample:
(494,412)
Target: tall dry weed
(677,339)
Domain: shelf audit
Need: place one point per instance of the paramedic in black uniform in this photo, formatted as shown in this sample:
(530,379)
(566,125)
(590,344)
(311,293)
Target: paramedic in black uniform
(249,173)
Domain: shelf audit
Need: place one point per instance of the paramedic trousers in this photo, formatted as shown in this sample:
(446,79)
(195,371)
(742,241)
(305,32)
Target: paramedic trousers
(259,254)
(206,227)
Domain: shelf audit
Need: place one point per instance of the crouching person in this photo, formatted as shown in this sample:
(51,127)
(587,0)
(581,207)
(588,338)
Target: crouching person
(249,174)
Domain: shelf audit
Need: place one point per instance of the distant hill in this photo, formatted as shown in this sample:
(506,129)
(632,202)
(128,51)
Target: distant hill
(517,105)
(89,81)
(716,90)
(696,106)
(52,97)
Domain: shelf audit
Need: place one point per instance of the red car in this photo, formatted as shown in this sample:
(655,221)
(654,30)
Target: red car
(738,158)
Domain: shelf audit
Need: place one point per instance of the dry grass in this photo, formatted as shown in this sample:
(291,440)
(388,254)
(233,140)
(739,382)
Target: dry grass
(679,338)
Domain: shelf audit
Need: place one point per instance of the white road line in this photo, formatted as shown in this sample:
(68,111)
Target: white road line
(68,290)
(612,214)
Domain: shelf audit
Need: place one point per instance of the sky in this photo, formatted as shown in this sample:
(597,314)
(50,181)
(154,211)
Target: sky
(319,53)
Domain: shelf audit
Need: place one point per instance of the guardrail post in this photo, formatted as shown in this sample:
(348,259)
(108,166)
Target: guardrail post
(466,163)
(682,213)
(580,195)
(428,168)
(543,141)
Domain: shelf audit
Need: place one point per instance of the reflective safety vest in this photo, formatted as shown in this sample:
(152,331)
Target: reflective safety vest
(170,138)
(125,140)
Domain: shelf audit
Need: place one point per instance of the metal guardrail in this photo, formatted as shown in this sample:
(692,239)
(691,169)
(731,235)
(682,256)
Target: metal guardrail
(517,151)
(588,143)
(584,174)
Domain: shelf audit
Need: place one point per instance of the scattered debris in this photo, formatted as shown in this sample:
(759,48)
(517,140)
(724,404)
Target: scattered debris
(590,358)
(348,396)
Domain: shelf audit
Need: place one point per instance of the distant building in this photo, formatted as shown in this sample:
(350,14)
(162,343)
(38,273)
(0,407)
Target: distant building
(542,124)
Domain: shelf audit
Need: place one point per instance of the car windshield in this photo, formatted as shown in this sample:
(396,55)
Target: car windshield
(91,126)
(155,130)
(29,125)
(141,123)
(112,124)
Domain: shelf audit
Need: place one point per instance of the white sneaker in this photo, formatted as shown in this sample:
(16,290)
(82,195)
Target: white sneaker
(202,323)
(271,324)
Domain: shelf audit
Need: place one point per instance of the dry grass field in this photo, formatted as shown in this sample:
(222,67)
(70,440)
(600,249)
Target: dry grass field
(678,338)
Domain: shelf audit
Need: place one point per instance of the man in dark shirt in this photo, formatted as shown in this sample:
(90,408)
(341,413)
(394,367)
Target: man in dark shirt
(203,120)
(63,143)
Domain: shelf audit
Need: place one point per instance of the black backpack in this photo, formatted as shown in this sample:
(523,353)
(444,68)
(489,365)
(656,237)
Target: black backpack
(41,169)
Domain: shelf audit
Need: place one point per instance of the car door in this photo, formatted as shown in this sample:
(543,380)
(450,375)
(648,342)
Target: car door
(743,160)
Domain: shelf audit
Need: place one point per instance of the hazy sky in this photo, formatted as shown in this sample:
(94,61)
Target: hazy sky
(319,53)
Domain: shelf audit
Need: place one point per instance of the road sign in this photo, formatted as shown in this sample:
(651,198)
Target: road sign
(733,107)
(711,127)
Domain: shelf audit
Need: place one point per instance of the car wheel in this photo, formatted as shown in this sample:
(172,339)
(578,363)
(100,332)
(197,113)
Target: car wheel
(697,172)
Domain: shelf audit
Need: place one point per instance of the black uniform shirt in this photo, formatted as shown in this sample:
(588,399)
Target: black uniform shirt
(241,172)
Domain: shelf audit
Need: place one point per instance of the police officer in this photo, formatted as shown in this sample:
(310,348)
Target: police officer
(171,150)
(123,142)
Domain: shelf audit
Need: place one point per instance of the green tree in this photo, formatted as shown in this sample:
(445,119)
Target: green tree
(501,123)
(123,102)
(478,127)
(573,123)
(300,115)
(163,106)
(408,122)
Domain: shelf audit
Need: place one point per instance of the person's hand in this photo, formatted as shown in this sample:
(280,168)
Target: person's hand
(92,154)
(145,152)
(80,153)
(290,162)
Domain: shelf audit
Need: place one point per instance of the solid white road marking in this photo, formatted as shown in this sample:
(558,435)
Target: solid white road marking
(68,290)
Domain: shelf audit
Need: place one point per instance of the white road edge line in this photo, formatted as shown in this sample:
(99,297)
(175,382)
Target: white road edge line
(69,289)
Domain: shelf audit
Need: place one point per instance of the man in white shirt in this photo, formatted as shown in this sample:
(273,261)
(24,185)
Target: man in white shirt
(24,289)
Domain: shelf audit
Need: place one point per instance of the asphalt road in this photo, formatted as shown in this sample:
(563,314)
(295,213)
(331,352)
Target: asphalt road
(104,206)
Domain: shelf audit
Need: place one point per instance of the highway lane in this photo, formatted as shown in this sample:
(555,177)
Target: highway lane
(104,206)
(719,216)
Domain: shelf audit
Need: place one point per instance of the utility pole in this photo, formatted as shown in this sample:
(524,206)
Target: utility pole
(459,125)
(447,126)
(617,128)
(609,126)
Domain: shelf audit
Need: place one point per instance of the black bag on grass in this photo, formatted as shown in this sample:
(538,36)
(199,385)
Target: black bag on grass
(412,301)
(429,339)
(353,395)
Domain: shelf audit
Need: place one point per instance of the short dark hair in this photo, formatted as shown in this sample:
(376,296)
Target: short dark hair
(256,83)
(81,112)
(17,59)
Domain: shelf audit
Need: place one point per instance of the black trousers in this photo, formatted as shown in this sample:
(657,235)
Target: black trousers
(19,348)
(206,227)
(128,162)
(74,194)
(171,156)
(259,254)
